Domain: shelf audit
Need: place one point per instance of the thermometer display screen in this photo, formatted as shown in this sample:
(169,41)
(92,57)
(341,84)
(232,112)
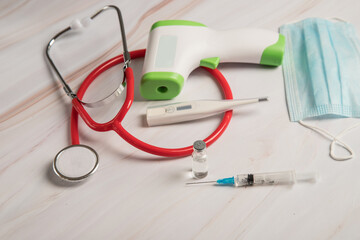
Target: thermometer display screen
(185,107)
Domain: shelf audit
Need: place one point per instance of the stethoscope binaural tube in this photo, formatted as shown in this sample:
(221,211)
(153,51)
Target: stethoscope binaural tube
(115,123)
(75,26)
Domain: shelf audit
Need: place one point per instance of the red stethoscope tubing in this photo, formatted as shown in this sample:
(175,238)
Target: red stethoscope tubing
(115,123)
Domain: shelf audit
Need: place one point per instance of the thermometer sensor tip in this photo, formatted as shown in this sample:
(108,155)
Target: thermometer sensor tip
(263,99)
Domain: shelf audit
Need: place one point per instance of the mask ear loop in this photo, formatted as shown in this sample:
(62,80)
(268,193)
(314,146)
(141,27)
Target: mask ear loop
(339,19)
(335,139)
(340,135)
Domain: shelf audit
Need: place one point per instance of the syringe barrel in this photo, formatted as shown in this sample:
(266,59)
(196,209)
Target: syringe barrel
(273,178)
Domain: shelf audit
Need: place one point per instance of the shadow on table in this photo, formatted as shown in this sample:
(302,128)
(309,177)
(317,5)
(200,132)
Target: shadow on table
(57,181)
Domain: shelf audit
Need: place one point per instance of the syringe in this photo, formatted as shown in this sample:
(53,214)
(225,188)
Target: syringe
(272,178)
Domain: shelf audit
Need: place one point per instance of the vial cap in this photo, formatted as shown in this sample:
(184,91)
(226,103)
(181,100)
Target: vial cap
(199,145)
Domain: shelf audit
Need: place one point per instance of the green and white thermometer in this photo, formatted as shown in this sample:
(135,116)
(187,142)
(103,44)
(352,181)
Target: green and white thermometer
(177,47)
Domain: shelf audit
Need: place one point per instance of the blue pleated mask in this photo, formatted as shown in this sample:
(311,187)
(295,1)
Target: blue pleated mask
(321,69)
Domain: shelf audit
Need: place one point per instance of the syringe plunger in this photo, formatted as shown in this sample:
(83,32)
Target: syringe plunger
(286,177)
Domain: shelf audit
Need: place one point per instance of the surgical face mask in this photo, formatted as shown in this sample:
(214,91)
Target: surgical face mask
(322,72)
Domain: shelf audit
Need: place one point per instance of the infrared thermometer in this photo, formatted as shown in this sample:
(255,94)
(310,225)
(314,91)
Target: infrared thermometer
(177,47)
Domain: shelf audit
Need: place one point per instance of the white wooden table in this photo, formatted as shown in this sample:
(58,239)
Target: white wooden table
(134,195)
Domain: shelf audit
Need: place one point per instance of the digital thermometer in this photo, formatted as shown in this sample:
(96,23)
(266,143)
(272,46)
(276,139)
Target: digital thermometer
(187,111)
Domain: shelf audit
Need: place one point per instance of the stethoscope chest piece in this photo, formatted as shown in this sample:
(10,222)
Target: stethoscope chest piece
(76,162)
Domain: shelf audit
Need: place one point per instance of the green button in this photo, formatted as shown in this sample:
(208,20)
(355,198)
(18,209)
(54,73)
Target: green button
(212,62)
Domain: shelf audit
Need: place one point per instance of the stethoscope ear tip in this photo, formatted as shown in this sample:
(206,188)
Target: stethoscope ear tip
(75,162)
(78,24)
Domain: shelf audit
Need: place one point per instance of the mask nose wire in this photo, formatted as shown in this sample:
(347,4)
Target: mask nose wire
(334,140)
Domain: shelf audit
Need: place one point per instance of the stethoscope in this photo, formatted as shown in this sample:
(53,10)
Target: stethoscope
(85,157)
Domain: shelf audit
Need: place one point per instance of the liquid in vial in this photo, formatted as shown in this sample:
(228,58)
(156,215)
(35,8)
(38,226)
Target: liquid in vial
(200,165)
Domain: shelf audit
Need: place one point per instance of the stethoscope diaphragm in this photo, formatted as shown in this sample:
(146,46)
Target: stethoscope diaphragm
(76,162)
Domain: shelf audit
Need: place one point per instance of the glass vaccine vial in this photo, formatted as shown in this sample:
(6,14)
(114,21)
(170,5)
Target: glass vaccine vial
(199,164)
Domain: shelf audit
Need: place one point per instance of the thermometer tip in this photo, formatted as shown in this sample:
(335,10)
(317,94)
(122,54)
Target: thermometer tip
(263,99)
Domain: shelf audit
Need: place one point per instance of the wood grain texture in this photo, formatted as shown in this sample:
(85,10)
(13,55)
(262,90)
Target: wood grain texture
(134,195)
